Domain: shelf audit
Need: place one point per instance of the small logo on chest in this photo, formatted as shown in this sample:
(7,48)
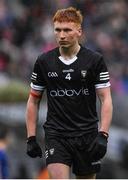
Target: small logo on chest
(51,151)
(52,74)
(83,73)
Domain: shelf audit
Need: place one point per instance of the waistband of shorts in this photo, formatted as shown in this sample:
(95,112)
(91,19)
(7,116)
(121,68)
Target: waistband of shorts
(69,134)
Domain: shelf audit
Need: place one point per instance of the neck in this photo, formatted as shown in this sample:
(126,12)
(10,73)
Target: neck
(69,53)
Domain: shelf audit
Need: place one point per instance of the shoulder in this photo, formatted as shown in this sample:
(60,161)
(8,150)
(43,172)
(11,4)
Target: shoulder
(47,55)
(91,54)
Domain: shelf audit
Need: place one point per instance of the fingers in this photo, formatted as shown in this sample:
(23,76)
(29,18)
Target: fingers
(33,149)
(98,148)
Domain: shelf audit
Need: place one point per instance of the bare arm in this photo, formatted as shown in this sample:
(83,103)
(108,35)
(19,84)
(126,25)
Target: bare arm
(32,111)
(104,95)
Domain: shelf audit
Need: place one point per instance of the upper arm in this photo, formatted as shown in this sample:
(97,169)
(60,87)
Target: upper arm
(35,96)
(38,82)
(104,93)
(102,79)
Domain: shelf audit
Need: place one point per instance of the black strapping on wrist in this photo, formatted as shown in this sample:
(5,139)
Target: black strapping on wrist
(31,138)
(104,133)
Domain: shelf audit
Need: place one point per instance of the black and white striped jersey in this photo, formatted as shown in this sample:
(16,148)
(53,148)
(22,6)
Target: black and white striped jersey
(71,90)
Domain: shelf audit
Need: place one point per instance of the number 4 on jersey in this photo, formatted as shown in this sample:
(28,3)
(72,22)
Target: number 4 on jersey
(68,76)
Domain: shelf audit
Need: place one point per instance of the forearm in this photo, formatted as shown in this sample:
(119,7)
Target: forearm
(31,117)
(106,114)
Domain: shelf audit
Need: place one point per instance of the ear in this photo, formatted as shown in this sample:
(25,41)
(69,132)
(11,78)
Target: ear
(79,31)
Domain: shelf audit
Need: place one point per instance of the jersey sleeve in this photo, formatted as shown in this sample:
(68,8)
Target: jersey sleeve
(102,75)
(37,79)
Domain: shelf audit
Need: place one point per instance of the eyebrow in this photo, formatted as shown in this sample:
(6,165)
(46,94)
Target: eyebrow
(64,29)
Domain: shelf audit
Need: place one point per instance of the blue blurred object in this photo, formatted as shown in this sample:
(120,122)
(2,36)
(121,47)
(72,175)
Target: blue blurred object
(4,171)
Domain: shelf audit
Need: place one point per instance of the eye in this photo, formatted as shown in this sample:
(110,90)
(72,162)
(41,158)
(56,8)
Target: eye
(57,30)
(67,30)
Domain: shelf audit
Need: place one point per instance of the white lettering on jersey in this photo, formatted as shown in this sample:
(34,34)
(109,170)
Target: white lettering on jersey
(52,74)
(67,70)
(68,76)
(69,92)
(96,162)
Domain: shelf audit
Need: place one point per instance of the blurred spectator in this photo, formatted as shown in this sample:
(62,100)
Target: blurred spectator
(4,61)
(4,168)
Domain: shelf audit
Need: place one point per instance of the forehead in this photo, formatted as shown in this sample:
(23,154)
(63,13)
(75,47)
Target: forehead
(63,25)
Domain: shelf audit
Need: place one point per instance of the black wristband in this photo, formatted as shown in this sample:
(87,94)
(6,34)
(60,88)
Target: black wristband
(31,138)
(104,133)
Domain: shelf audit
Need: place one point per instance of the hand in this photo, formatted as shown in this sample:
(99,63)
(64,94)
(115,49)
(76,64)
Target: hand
(33,149)
(98,148)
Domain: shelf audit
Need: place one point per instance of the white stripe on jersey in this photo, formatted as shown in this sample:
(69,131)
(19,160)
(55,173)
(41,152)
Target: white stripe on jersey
(103,73)
(104,76)
(102,79)
(104,85)
(34,74)
(36,87)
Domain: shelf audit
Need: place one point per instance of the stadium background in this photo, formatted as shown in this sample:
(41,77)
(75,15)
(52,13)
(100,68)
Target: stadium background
(26,31)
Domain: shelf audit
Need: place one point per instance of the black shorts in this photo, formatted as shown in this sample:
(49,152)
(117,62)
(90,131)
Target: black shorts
(72,152)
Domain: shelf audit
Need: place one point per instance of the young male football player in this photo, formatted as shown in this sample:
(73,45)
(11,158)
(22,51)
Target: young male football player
(73,77)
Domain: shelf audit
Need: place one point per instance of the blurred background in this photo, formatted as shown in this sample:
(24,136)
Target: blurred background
(26,31)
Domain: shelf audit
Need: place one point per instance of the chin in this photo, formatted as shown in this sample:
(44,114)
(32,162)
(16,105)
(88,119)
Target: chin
(64,45)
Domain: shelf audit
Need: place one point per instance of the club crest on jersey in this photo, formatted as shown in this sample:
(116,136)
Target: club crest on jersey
(51,151)
(83,73)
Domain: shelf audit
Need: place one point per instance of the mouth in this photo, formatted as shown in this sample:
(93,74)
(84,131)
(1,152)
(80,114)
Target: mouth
(63,42)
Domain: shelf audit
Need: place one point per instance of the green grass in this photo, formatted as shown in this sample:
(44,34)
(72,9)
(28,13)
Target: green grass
(14,92)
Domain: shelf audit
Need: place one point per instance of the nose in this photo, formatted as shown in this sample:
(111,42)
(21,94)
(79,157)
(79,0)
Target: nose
(62,35)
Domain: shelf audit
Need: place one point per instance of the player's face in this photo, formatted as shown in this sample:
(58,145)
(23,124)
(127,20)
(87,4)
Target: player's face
(67,33)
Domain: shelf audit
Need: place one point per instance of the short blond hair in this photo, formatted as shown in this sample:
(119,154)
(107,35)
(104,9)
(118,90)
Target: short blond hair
(70,14)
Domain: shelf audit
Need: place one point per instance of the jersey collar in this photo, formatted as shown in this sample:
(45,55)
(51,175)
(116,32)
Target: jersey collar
(69,61)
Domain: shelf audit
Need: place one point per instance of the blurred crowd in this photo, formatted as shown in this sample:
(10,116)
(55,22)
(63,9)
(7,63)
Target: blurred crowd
(26,31)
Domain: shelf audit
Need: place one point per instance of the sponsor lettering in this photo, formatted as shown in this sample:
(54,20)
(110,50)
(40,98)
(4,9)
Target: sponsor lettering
(69,92)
